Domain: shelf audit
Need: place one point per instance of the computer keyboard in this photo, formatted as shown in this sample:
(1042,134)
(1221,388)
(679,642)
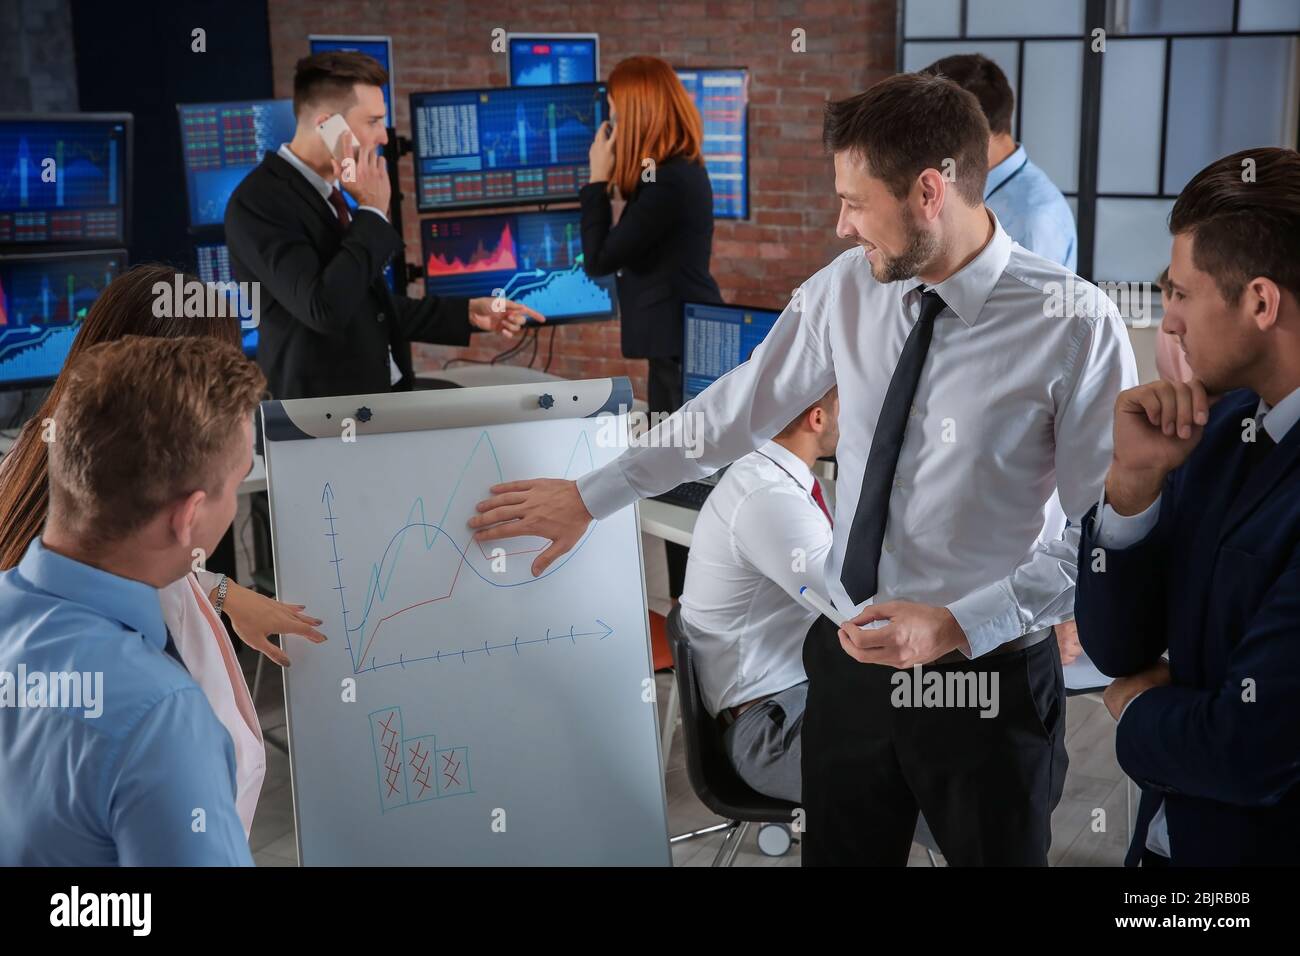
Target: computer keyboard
(688,495)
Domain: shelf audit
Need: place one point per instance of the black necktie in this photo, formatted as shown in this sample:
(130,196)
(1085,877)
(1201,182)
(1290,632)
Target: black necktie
(1257,450)
(862,555)
(172,652)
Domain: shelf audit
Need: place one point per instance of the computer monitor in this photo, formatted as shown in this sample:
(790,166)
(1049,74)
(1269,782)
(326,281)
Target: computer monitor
(221,143)
(64,179)
(501,147)
(531,257)
(544,59)
(378,48)
(718,338)
(722,97)
(212,264)
(43,299)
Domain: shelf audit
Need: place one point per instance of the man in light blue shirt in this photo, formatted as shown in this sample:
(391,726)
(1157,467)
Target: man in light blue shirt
(109,752)
(1028,205)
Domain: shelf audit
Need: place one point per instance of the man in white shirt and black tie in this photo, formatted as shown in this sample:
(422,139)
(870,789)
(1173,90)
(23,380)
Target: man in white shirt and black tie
(969,394)
(763,533)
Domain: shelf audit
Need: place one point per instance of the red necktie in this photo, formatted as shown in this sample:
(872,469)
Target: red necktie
(821,502)
(340,207)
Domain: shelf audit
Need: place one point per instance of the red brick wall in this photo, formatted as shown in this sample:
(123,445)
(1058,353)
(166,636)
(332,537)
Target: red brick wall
(790,232)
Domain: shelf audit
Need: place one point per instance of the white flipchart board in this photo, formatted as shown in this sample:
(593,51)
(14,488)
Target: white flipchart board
(462,711)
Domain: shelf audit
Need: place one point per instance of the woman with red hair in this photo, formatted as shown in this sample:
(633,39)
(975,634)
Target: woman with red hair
(649,152)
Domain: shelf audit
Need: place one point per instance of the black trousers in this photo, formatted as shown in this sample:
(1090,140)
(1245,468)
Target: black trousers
(664,394)
(987,785)
(664,384)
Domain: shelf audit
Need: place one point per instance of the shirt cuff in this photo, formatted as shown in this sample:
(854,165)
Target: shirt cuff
(207,579)
(1117,532)
(606,490)
(375,211)
(989,616)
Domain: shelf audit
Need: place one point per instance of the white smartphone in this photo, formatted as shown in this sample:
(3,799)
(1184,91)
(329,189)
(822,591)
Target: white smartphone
(331,131)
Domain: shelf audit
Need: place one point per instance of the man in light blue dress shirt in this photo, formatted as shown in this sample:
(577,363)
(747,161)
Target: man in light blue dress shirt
(1028,205)
(109,751)
(1032,211)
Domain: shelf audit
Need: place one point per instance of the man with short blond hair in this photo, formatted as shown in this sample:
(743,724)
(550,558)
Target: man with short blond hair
(151,440)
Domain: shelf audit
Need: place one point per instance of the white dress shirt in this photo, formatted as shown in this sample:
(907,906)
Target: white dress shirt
(326,189)
(1012,402)
(1115,531)
(759,538)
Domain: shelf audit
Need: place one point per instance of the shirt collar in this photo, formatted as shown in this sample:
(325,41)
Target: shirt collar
(313,177)
(791,462)
(967,289)
(132,603)
(1280,418)
(1004,170)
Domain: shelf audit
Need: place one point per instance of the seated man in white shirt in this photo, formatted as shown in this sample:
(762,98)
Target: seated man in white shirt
(764,532)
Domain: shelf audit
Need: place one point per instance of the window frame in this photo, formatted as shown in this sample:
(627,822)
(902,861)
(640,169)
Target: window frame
(1098,14)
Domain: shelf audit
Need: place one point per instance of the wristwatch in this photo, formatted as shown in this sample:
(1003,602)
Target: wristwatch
(220,602)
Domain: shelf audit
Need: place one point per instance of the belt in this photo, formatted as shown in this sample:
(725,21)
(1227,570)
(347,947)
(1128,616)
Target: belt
(1019,644)
(730,715)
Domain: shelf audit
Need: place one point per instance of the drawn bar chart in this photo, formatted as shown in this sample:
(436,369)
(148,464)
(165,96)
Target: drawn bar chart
(410,770)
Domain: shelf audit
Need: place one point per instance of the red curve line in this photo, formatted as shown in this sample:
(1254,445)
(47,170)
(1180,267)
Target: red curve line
(369,645)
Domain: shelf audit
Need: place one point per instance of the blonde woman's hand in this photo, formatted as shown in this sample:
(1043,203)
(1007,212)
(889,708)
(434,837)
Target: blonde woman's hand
(256,617)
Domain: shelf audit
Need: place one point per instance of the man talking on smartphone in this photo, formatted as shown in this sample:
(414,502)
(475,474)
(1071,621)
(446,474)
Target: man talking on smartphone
(329,325)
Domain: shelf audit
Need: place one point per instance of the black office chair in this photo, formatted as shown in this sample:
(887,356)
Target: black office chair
(708,767)
(716,782)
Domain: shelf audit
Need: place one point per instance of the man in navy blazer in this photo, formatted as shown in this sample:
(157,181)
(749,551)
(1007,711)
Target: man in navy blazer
(1195,545)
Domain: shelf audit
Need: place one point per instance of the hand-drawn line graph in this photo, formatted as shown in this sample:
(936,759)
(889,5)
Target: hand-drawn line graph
(369,625)
(412,769)
(462,653)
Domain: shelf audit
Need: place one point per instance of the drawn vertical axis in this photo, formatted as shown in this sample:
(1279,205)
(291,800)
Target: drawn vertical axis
(327,496)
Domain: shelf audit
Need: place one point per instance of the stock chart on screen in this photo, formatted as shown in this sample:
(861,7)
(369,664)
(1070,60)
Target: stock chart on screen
(62,180)
(212,260)
(502,146)
(530,257)
(722,97)
(220,145)
(718,338)
(42,302)
(548,60)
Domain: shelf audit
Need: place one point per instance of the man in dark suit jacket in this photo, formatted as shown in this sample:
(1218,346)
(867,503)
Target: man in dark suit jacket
(329,325)
(1195,547)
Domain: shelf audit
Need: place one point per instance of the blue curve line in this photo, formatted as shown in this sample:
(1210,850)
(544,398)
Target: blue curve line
(439,531)
(375,589)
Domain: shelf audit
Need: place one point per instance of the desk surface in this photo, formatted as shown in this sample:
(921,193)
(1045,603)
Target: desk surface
(671,522)
(470,376)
